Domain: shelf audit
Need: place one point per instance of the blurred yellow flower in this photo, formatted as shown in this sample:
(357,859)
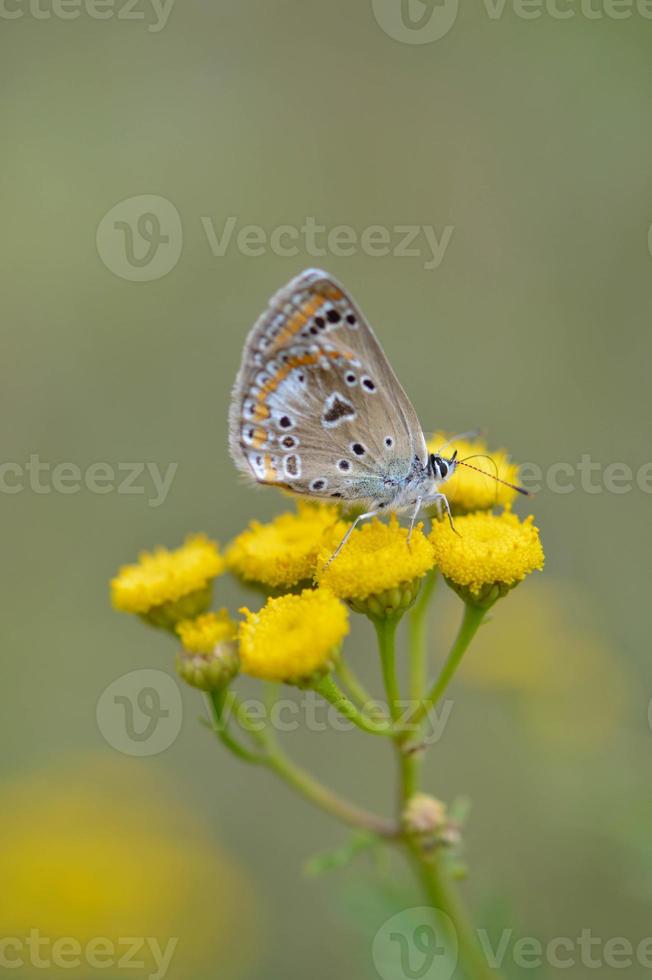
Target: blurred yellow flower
(376,571)
(168,586)
(283,553)
(98,852)
(486,554)
(294,638)
(547,651)
(467,490)
(201,635)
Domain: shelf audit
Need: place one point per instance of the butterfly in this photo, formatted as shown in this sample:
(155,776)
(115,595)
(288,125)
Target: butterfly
(317,409)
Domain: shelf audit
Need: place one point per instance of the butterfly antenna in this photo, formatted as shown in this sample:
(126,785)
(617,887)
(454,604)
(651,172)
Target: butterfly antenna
(505,483)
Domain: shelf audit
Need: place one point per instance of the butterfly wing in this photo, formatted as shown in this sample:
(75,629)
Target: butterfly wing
(316,405)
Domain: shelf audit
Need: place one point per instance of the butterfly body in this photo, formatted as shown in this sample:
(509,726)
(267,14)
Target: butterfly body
(318,410)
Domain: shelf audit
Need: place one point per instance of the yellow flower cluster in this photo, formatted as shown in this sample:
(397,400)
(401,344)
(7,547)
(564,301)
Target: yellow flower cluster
(467,490)
(486,554)
(283,553)
(294,638)
(201,635)
(377,572)
(175,584)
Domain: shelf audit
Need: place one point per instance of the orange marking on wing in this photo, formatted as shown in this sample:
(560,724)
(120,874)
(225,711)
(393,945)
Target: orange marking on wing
(260,437)
(294,362)
(298,320)
(269,476)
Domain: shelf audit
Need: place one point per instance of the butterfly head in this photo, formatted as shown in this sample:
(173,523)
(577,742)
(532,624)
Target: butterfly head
(441,467)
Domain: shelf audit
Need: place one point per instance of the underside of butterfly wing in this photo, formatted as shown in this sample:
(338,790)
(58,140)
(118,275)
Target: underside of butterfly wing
(316,405)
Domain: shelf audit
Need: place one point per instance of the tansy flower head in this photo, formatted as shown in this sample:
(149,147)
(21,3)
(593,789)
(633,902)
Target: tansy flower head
(467,490)
(377,572)
(488,555)
(294,638)
(283,553)
(200,635)
(168,586)
(209,658)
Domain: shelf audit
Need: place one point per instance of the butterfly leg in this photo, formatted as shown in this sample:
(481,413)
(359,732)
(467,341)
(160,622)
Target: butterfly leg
(413,521)
(360,517)
(441,503)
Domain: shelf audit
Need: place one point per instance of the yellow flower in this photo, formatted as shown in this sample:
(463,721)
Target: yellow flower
(168,586)
(209,658)
(283,553)
(102,848)
(468,490)
(201,635)
(294,638)
(376,571)
(488,555)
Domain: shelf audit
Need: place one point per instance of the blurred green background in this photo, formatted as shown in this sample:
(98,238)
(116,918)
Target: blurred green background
(532,139)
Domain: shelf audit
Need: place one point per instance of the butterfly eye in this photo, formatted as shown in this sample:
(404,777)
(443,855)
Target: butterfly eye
(344,465)
(333,316)
(350,318)
(368,384)
(318,485)
(350,378)
(389,442)
(358,449)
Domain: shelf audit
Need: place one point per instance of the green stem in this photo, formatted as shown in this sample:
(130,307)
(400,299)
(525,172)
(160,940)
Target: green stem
(350,679)
(445,899)
(386,633)
(327,800)
(332,693)
(273,758)
(471,621)
(408,760)
(417,623)
(217,703)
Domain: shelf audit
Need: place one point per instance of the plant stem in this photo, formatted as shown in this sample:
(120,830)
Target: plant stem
(386,633)
(327,800)
(417,623)
(273,758)
(332,693)
(355,686)
(444,899)
(471,621)
(217,702)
